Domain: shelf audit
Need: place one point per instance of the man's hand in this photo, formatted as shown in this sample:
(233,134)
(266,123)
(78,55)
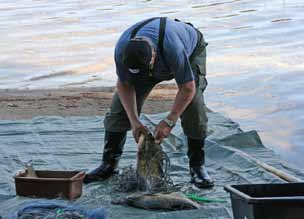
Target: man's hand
(183,97)
(137,129)
(162,131)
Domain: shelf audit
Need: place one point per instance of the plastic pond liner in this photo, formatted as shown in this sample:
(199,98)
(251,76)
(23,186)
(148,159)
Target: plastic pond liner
(75,143)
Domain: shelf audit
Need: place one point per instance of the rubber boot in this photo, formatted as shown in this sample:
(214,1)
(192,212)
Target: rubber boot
(198,172)
(114,143)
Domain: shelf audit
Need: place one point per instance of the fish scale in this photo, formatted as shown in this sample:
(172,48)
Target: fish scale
(150,165)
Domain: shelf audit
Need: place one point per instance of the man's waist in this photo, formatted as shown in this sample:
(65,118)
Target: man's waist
(200,38)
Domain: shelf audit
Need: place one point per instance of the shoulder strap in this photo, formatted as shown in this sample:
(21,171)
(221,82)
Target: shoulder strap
(161,36)
(134,32)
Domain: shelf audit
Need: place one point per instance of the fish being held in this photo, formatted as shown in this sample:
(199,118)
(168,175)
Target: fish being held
(152,169)
(151,165)
(152,176)
(156,201)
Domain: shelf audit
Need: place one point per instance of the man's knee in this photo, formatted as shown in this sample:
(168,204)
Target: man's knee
(194,120)
(194,129)
(116,122)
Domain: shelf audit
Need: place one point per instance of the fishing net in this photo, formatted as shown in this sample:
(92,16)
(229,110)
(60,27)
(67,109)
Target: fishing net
(55,209)
(163,181)
(128,181)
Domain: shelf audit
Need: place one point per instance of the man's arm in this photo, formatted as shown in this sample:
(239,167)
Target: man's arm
(183,98)
(127,95)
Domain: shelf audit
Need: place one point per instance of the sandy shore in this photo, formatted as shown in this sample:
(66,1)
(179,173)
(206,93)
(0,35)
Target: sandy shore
(26,104)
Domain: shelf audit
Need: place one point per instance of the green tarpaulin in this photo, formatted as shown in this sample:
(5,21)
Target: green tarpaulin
(75,143)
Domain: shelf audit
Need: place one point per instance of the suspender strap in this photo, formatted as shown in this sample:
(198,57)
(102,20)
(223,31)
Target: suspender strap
(161,35)
(134,32)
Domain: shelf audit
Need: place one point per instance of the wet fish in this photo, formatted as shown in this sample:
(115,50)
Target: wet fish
(150,165)
(159,201)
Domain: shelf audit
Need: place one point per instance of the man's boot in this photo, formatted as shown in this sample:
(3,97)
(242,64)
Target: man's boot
(198,172)
(114,143)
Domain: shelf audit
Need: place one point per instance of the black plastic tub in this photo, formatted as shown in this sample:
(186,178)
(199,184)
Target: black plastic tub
(267,201)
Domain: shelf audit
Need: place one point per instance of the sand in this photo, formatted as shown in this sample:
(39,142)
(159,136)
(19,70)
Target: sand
(26,104)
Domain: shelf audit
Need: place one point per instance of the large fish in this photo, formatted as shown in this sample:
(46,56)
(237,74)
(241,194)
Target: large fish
(159,201)
(151,165)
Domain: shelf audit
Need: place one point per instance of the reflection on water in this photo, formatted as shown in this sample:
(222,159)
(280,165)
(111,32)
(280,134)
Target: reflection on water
(255,54)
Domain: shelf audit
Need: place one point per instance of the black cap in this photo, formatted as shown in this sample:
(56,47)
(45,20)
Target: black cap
(137,55)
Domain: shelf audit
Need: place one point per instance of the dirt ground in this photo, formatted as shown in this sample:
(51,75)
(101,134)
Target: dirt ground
(26,104)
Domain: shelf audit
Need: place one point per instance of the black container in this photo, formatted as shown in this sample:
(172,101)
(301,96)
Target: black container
(267,201)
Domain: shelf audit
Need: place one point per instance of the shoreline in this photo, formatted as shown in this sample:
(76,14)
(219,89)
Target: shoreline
(26,104)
